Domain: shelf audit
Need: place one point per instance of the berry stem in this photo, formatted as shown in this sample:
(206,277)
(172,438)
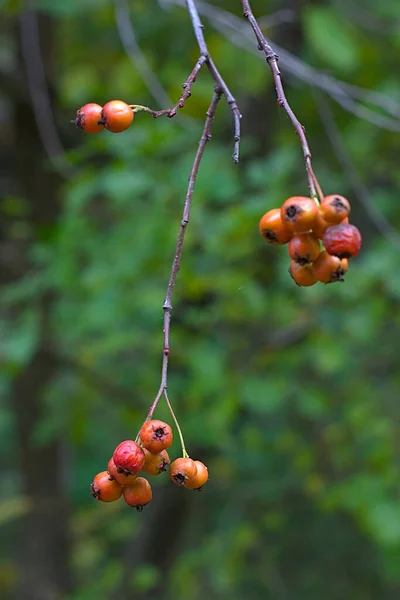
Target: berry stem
(272,60)
(184,453)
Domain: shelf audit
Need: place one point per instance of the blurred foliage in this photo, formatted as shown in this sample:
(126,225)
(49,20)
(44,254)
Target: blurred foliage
(291,395)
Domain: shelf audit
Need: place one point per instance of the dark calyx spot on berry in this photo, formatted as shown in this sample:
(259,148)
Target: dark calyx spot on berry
(179,479)
(292,211)
(344,255)
(110,477)
(95,491)
(79,120)
(338,204)
(270,236)
(101,121)
(159,433)
(199,489)
(303,260)
(163,466)
(139,507)
(338,275)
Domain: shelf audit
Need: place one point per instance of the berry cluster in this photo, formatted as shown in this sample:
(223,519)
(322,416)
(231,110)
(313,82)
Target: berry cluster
(116,116)
(302,224)
(149,454)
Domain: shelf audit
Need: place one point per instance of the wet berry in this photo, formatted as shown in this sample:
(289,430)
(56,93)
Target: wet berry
(154,464)
(155,436)
(128,457)
(200,479)
(105,489)
(303,275)
(273,229)
(304,248)
(342,240)
(138,494)
(299,213)
(181,470)
(87,118)
(116,116)
(329,269)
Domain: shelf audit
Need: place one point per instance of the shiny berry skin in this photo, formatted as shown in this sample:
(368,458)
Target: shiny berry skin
(200,479)
(119,475)
(87,118)
(303,275)
(154,464)
(117,116)
(299,213)
(128,457)
(138,494)
(334,209)
(155,436)
(181,470)
(304,248)
(342,240)
(273,229)
(105,489)
(329,269)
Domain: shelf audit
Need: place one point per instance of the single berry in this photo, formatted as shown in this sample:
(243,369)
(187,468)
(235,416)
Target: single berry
(329,269)
(181,470)
(342,240)
(200,479)
(128,457)
(304,248)
(138,494)
(299,213)
(334,209)
(87,118)
(273,229)
(302,275)
(155,436)
(116,116)
(119,475)
(105,489)
(154,464)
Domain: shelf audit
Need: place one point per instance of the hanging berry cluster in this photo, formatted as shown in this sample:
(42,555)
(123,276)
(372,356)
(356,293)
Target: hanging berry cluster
(148,454)
(302,224)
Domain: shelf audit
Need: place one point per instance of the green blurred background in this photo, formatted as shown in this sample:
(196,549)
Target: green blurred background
(290,395)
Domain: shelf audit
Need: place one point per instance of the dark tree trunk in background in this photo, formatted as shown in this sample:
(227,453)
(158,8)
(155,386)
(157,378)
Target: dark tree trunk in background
(42,546)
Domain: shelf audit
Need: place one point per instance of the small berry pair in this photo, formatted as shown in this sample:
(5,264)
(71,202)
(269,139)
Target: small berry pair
(116,116)
(189,473)
(302,223)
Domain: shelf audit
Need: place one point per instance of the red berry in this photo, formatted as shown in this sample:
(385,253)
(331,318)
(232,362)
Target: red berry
(329,269)
(181,470)
(128,457)
(303,275)
(117,116)
(138,494)
(155,436)
(87,118)
(119,475)
(342,240)
(304,248)
(273,229)
(154,464)
(299,213)
(334,209)
(105,489)
(200,479)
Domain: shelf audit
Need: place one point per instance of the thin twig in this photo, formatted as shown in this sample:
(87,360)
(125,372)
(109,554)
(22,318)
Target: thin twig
(167,306)
(381,223)
(272,60)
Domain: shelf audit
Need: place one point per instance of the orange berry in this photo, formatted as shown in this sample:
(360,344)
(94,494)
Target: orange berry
(299,213)
(273,229)
(329,269)
(200,479)
(304,248)
(117,116)
(303,275)
(334,209)
(342,240)
(119,475)
(154,464)
(181,470)
(87,118)
(155,436)
(138,494)
(105,489)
